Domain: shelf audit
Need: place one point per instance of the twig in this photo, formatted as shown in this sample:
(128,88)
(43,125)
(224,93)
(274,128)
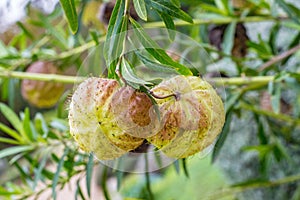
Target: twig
(241,80)
(177,96)
(41,77)
(238,189)
(220,20)
(279,57)
(279,116)
(78,79)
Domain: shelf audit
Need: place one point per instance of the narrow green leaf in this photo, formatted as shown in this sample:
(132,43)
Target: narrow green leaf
(12,117)
(14,150)
(168,20)
(221,140)
(184,166)
(212,9)
(70,13)
(276,97)
(103,183)
(129,75)
(154,49)
(168,8)
(292,11)
(114,26)
(148,181)
(79,191)
(38,172)
(89,172)
(155,65)
(23,171)
(176,3)
(231,101)
(8,141)
(158,159)
(176,166)
(16,158)
(7,193)
(260,130)
(140,8)
(11,132)
(56,175)
(113,45)
(120,176)
(94,35)
(41,125)
(26,124)
(296,194)
(228,41)
(224,6)
(25,30)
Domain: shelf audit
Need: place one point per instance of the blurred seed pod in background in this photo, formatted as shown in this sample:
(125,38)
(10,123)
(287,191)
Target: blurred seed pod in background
(42,94)
(239,50)
(106,9)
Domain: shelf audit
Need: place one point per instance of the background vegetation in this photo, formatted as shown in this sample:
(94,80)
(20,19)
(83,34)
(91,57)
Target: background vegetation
(254,44)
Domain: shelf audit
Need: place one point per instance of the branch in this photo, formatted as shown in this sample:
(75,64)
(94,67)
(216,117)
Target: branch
(241,80)
(279,57)
(77,79)
(279,116)
(41,77)
(220,20)
(238,189)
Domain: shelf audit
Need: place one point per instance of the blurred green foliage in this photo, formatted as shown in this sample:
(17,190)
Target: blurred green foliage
(259,143)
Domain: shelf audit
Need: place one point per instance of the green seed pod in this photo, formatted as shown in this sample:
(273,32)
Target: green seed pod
(42,94)
(192,118)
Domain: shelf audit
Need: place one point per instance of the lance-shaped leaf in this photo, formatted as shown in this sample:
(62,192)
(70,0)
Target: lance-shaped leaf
(169,8)
(70,13)
(168,20)
(129,75)
(151,64)
(140,8)
(155,50)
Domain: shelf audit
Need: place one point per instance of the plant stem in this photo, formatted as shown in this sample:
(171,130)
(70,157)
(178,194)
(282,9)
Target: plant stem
(238,189)
(79,49)
(41,77)
(278,116)
(280,57)
(221,20)
(241,80)
(77,79)
(103,184)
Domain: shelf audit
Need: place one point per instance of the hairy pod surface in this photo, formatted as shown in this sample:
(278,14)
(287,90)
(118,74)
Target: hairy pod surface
(192,119)
(92,124)
(134,112)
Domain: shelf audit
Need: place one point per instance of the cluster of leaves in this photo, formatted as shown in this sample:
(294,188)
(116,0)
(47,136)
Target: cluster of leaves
(34,141)
(37,147)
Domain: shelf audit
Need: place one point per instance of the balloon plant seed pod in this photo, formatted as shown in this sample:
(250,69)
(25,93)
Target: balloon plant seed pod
(42,94)
(192,117)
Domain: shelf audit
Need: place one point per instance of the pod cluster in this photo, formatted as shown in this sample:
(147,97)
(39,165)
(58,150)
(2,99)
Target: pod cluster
(110,120)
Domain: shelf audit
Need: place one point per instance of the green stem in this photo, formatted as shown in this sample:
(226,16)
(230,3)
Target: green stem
(41,77)
(79,49)
(241,80)
(278,116)
(221,20)
(263,80)
(238,189)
